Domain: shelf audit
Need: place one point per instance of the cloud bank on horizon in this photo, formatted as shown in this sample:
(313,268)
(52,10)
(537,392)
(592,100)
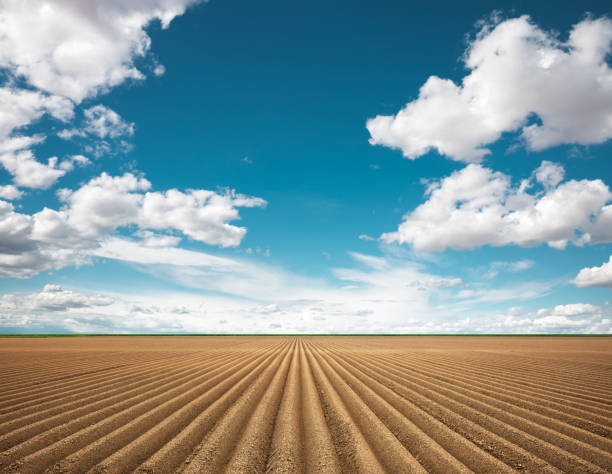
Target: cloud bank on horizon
(60,59)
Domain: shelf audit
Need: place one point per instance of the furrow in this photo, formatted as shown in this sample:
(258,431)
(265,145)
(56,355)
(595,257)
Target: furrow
(319,450)
(524,376)
(65,439)
(37,394)
(423,448)
(287,439)
(70,376)
(566,436)
(494,420)
(490,441)
(138,437)
(91,413)
(214,453)
(500,393)
(363,442)
(82,400)
(252,452)
(175,453)
(312,404)
(427,429)
(509,378)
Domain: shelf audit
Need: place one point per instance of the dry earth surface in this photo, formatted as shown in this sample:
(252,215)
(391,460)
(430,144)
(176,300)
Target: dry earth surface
(306,404)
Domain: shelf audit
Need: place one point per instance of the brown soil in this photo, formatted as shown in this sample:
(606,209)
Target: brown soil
(306,404)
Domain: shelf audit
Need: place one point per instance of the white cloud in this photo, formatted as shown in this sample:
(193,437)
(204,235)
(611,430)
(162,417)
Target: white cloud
(476,206)
(247,295)
(10,192)
(20,142)
(53,298)
(199,214)
(78,160)
(516,70)
(513,267)
(51,239)
(241,295)
(549,174)
(30,173)
(570,318)
(76,49)
(65,52)
(101,122)
(377,263)
(21,254)
(106,202)
(560,322)
(19,107)
(144,253)
(595,276)
(573,309)
(151,239)
(434,283)
(103,204)
(469,297)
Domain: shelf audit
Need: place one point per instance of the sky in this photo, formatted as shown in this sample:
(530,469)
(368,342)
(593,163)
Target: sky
(315,167)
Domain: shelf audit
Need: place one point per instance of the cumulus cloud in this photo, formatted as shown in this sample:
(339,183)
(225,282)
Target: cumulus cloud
(66,52)
(20,107)
(54,298)
(570,318)
(595,276)
(76,49)
(30,173)
(21,254)
(10,192)
(70,162)
(574,309)
(103,132)
(476,206)
(51,239)
(199,214)
(101,122)
(517,71)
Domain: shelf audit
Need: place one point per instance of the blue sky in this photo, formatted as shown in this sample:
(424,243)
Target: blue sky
(324,167)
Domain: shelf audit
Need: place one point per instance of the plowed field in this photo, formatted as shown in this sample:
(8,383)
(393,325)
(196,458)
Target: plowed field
(307,404)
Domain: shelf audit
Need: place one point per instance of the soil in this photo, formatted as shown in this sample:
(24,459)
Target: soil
(324,404)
